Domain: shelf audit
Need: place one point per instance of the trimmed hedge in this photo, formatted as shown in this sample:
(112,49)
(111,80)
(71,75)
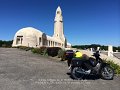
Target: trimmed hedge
(53,51)
(50,51)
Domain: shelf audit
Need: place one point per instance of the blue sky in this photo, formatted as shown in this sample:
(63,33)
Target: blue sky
(85,21)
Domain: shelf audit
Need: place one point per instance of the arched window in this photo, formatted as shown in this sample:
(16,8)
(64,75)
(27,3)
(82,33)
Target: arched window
(58,12)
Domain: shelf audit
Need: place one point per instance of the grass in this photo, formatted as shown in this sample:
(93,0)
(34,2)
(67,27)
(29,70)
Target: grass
(116,67)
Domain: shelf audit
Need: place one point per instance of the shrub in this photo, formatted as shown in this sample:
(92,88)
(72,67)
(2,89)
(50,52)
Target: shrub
(36,50)
(116,67)
(45,52)
(41,50)
(24,48)
(14,47)
(53,51)
(61,53)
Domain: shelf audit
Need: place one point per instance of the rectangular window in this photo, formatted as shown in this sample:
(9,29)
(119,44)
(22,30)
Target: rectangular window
(19,36)
(51,43)
(55,43)
(47,43)
(40,41)
(21,40)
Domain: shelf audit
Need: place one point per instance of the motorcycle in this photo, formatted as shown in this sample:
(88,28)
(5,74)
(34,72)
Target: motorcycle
(83,67)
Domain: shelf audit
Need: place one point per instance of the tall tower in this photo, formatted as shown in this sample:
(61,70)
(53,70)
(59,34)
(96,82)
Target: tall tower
(58,25)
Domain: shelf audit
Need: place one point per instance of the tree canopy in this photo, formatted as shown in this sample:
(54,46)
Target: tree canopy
(6,43)
(102,47)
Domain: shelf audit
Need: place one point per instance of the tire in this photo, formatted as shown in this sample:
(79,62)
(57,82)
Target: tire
(107,73)
(75,75)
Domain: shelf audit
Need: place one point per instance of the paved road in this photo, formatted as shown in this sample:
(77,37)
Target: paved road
(21,70)
(116,54)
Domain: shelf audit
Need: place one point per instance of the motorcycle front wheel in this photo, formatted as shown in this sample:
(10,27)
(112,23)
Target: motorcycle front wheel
(107,73)
(75,73)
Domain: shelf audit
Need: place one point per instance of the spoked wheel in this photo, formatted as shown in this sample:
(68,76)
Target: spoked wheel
(107,73)
(75,73)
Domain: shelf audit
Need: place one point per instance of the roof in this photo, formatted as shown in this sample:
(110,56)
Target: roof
(28,31)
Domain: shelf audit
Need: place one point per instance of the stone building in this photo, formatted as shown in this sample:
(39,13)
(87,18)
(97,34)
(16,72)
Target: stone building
(32,37)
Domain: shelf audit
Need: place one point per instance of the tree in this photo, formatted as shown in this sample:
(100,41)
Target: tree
(6,43)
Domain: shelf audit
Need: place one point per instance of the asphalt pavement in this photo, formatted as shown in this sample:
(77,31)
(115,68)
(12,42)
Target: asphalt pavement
(23,70)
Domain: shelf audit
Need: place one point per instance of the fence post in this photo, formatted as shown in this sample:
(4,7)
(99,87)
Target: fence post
(110,51)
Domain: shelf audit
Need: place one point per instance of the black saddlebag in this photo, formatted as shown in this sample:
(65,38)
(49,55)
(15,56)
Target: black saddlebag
(76,62)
